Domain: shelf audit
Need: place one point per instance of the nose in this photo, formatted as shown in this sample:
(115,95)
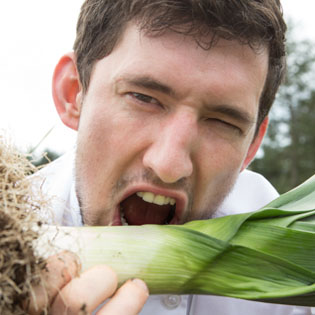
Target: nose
(170,154)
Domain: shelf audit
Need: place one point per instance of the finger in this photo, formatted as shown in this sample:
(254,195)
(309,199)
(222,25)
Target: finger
(59,270)
(86,292)
(128,300)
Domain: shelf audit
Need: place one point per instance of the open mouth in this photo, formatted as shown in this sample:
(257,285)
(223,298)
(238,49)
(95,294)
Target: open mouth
(147,208)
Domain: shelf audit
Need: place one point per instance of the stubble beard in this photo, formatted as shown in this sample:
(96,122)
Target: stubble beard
(91,216)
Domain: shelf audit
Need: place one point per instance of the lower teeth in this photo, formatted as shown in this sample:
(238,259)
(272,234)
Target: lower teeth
(123,219)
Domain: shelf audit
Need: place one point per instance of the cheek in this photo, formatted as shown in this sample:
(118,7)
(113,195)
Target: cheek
(218,165)
(93,151)
(219,158)
(110,141)
(213,185)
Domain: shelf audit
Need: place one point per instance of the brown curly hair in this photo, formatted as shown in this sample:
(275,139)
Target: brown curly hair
(251,22)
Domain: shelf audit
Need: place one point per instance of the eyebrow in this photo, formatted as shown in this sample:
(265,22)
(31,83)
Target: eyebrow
(235,113)
(148,83)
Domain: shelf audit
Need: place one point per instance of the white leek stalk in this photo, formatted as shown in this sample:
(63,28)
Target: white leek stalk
(267,255)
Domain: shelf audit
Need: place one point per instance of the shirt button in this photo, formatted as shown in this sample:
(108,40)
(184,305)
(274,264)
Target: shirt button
(171,301)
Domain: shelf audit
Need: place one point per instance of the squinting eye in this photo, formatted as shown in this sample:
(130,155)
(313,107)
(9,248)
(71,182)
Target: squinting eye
(225,124)
(144,98)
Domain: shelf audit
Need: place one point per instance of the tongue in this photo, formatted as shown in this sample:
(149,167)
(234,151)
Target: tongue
(138,212)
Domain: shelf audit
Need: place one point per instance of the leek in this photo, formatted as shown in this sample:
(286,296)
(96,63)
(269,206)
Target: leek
(266,255)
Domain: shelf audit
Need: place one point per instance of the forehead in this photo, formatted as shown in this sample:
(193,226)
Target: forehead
(173,41)
(140,48)
(228,70)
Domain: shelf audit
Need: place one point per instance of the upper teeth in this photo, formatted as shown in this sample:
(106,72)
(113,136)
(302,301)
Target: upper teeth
(156,199)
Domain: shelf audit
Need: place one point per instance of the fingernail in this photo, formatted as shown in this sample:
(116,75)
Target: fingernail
(141,284)
(72,263)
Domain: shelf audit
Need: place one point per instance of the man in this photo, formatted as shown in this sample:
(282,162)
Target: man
(170,100)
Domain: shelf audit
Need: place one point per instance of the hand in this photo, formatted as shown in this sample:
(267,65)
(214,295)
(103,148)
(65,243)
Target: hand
(67,293)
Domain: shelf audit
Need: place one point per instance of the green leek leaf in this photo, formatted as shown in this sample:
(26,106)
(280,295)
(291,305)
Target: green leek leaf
(266,255)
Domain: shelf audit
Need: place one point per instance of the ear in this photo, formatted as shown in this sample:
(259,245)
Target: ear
(256,143)
(67,91)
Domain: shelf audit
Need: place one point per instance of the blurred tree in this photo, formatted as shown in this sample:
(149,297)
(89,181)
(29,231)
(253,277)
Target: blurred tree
(288,152)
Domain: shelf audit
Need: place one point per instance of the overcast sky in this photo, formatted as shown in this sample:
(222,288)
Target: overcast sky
(34,35)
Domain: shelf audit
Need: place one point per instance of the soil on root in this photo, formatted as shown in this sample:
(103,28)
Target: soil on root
(19,265)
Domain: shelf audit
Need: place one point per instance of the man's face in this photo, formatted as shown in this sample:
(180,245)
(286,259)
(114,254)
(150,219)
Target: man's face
(165,128)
